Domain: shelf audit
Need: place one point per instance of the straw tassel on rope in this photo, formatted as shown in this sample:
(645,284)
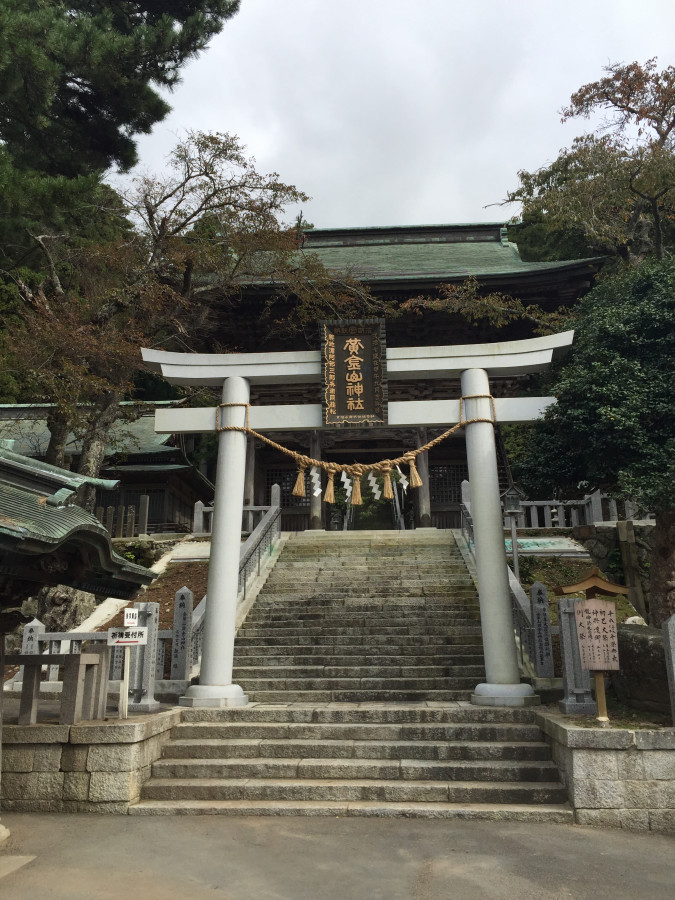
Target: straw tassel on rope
(388,489)
(299,488)
(329,494)
(415,480)
(356,472)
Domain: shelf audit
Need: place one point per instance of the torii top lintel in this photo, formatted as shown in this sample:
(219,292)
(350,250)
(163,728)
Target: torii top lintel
(403,363)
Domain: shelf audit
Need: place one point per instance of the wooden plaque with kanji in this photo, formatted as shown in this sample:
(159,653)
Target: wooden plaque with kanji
(596,633)
(354,360)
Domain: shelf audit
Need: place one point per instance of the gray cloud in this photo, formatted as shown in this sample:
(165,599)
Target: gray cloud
(391,112)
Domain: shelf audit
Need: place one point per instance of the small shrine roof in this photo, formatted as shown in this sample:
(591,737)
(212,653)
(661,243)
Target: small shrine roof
(38,517)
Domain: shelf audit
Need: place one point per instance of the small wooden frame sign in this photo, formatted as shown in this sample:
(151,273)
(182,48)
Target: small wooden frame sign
(596,630)
(598,643)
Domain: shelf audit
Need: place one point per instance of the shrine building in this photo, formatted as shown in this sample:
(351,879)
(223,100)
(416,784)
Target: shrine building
(400,264)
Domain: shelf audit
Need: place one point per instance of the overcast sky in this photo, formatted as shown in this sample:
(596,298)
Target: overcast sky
(398,112)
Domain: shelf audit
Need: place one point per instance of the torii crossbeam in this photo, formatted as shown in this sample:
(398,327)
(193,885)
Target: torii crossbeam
(474,363)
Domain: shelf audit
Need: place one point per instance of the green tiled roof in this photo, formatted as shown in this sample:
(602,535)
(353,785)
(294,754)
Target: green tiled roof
(438,252)
(29,516)
(31,435)
(38,517)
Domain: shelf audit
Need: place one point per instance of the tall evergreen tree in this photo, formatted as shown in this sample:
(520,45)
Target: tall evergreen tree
(78,79)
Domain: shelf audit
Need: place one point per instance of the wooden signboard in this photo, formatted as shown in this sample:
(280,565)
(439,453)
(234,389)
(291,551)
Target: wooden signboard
(354,364)
(596,632)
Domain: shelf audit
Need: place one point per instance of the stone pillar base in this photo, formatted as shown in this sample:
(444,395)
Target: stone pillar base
(214,695)
(504,695)
(146,706)
(573,708)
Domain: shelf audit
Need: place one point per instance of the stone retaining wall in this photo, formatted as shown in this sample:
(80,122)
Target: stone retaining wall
(81,768)
(642,681)
(621,778)
(601,541)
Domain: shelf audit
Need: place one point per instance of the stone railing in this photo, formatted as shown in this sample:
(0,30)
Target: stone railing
(121,521)
(466,525)
(203,517)
(595,507)
(258,546)
(148,664)
(531,622)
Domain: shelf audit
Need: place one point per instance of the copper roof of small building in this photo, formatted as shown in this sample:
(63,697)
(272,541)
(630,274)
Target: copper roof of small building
(39,518)
(23,429)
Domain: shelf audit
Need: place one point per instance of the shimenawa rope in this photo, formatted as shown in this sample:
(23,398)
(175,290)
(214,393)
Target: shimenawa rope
(356,470)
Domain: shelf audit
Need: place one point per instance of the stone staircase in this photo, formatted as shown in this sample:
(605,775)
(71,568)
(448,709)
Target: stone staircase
(358,616)
(359,658)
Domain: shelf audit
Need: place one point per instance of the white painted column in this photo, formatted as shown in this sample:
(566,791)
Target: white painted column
(215,686)
(502,687)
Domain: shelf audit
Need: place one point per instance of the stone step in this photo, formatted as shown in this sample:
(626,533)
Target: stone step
(340,643)
(373,600)
(272,683)
(359,657)
(362,616)
(495,770)
(551,813)
(376,652)
(363,732)
(332,626)
(361,589)
(213,748)
(367,713)
(398,550)
(352,671)
(313,573)
(459,597)
(361,695)
(348,631)
(456,598)
(392,790)
(393,606)
(467,637)
(254,659)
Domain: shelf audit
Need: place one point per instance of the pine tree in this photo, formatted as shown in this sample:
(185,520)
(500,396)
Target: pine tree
(78,79)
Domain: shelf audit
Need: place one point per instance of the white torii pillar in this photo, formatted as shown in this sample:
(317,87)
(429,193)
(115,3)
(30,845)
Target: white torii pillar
(502,687)
(215,686)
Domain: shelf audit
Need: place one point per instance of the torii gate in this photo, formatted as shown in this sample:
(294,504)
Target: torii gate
(474,363)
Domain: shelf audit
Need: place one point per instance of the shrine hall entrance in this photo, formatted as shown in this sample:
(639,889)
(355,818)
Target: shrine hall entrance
(447,469)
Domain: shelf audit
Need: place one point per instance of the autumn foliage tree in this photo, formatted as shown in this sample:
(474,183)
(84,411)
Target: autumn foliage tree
(614,187)
(184,246)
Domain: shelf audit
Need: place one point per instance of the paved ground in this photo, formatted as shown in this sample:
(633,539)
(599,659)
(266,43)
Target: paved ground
(77,857)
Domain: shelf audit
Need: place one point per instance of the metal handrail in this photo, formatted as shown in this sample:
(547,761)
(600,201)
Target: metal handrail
(257,546)
(466,524)
(399,520)
(520,604)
